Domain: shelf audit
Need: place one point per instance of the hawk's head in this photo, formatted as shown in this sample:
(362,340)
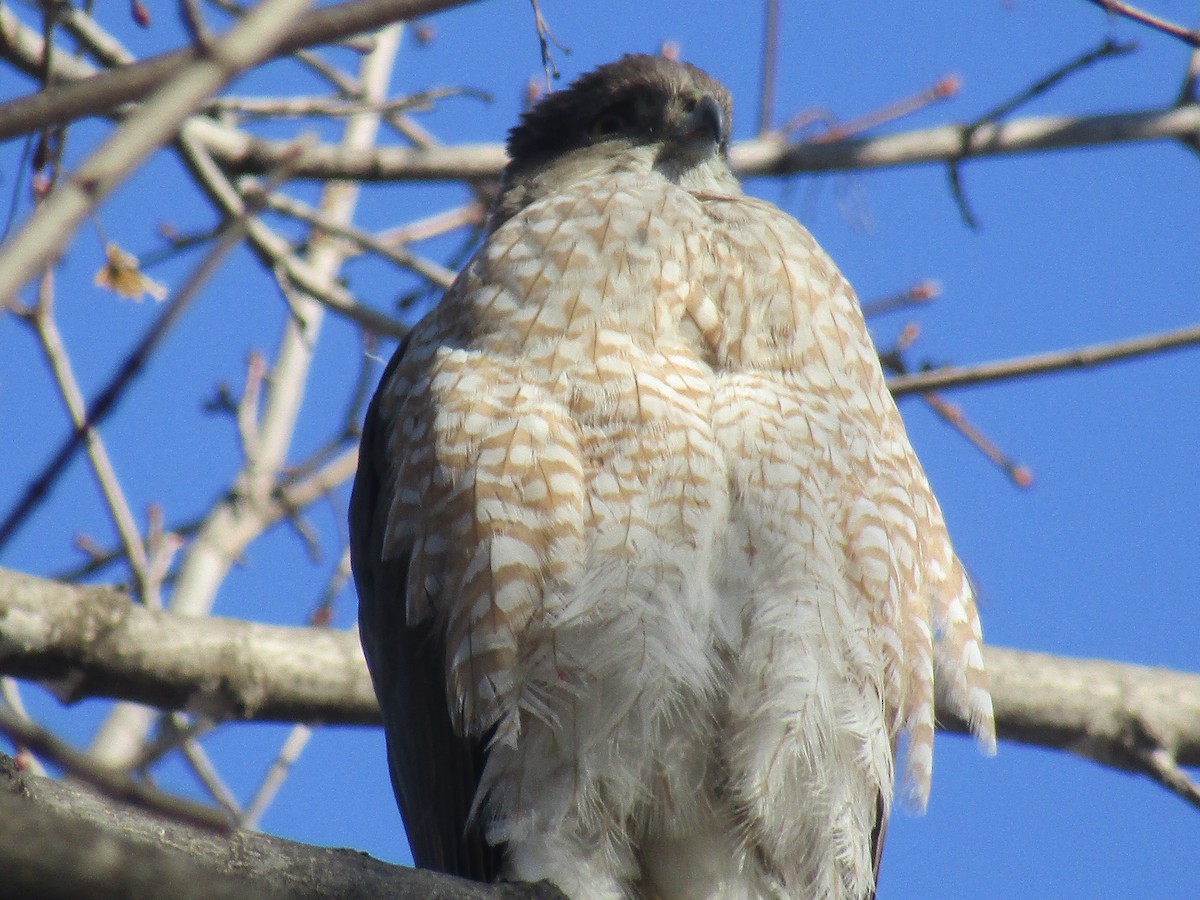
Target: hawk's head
(638,111)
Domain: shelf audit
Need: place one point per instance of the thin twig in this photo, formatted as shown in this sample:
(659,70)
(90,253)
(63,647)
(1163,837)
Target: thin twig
(469,214)
(770,67)
(273,250)
(204,769)
(197,28)
(1042,363)
(1187,90)
(109,782)
(894,363)
(351,89)
(1160,766)
(175,730)
(943,89)
(10,692)
(98,42)
(59,360)
(248,423)
(545,36)
(391,251)
(1116,7)
(281,766)
(361,43)
(1107,50)
(230,236)
(293,495)
(951,413)
(161,547)
(920,293)
(322,614)
(346,84)
(297,107)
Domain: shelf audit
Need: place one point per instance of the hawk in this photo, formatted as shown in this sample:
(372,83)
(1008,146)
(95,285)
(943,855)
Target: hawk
(651,581)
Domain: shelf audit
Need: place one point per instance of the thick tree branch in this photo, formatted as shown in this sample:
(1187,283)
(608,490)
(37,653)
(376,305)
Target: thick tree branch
(1135,718)
(59,841)
(92,641)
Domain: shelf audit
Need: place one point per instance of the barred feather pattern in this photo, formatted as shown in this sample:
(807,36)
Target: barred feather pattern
(692,581)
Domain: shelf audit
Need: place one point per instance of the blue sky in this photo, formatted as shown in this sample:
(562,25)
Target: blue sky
(1098,559)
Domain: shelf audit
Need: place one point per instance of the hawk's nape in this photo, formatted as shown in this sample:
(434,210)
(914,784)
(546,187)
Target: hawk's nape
(651,580)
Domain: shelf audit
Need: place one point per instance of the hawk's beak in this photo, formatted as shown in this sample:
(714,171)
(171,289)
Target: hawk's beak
(705,124)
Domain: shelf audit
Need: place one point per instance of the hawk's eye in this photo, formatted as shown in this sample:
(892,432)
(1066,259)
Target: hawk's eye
(608,123)
(614,119)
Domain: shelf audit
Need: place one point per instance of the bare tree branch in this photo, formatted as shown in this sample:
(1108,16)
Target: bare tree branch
(114,785)
(770,67)
(946,142)
(272,249)
(759,157)
(130,368)
(1043,363)
(289,499)
(1129,11)
(233,523)
(103,93)
(58,842)
(242,152)
(38,243)
(397,254)
(54,350)
(300,107)
(1140,719)
(94,642)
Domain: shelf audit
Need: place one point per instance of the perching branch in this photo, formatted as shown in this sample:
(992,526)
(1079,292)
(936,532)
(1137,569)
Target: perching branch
(59,842)
(94,642)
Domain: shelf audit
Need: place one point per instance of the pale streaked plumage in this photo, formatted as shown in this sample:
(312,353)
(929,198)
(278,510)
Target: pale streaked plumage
(636,497)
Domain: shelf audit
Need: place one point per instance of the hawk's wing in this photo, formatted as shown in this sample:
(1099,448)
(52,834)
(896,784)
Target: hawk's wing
(434,771)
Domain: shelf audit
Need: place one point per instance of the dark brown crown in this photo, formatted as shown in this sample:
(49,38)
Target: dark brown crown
(637,91)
